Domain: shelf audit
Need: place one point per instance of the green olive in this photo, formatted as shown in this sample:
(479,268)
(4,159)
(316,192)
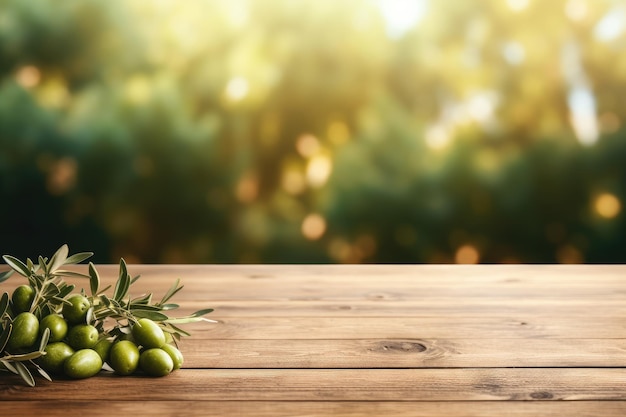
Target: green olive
(124,357)
(57,326)
(175,354)
(156,362)
(82,336)
(22,298)
(83,363)
(75,311)
(103,347)
(24,333)
(148,334)
(56,354)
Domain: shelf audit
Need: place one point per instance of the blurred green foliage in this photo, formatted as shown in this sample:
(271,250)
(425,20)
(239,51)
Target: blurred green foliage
(296,131)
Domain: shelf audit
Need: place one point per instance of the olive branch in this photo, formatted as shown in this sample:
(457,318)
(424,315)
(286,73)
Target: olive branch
(113,316)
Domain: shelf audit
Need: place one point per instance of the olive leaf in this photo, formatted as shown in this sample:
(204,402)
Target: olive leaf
(17,265)
(23,371)
(44,339)
(6,275)
(41,371)
(113,316)
(58,259)
(4,336)
(123,283)
(4,305)
(171,292)
(94,279)
(78,258)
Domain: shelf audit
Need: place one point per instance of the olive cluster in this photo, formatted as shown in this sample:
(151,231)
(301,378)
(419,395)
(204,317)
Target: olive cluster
(77,349)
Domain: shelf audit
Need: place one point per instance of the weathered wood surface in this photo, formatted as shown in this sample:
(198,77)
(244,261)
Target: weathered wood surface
(371,340)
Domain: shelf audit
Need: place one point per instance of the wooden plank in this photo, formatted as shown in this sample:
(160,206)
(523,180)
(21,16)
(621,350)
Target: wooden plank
(403,353)
(522,327)
(63,408)
(481,384)
(432,306)
(377,282)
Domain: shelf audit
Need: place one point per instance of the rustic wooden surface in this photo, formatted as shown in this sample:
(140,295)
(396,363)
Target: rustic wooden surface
(497,340)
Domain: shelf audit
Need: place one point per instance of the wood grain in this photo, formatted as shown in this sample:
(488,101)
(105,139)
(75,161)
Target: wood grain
(328,408)
(352,340)
(506,327)
(468,384)
(63,408)
(402,353)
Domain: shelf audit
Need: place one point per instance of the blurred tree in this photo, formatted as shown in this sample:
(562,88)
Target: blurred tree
(283,131)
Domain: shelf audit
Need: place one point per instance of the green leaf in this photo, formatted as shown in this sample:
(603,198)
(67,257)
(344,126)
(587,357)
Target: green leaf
(123,283)
(64,272)
(41,371)
(105,300)
(142,300)
(58,259)
(169,306)
(170,293)
(4,305)
(89,318)
(134,306)
(51,290)
(78,258)
(44,339)
(17,265)
(66,289)
(150,314)
(178,330)
(6,275)
(46,310)
(34,281)
(58,300)
(42,264)
(10,367)
(4,337)
(135,278)
(23,371)
(94,279)
(202,312)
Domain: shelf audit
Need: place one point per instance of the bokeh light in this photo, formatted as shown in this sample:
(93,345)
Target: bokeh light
(353,131)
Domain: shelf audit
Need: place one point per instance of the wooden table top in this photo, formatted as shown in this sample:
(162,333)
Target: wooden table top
(353,340)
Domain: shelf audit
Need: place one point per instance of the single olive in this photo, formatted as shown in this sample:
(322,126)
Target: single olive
(24,333)
(124,357)
(156,362)
(75,311)
(175,354)
(82,336)
(22,298)
(54,359)
(103,348)
(83,363)
(148,334)
(57,326)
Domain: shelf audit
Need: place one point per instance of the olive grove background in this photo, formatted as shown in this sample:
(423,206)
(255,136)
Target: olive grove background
(288,131)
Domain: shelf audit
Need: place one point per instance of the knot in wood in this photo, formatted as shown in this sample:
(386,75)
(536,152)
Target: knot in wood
(541,395)
(401,346)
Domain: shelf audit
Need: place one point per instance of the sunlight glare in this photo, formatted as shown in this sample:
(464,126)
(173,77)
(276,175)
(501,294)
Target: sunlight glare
(612,25)
(607,205)
(401,15)
(318,170)
(237,88)
(313,226)
(518,5)
(576,10)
